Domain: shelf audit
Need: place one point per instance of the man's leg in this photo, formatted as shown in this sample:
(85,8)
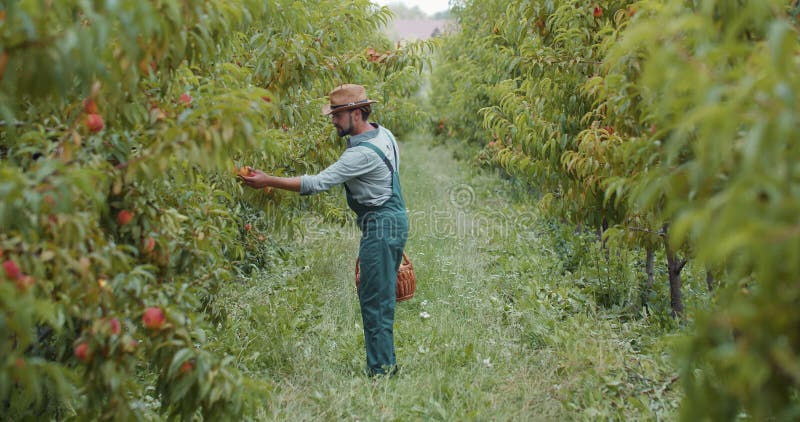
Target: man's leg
(377,297)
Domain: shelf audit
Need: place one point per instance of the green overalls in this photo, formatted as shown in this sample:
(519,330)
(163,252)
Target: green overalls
(384,230)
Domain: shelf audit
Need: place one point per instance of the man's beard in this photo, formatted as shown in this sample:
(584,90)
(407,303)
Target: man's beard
(343,132)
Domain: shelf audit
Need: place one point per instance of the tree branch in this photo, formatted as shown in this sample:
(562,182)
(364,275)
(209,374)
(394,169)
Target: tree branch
(660,233)
(682,264)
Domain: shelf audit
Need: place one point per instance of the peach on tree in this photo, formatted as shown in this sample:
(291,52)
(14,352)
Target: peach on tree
(12,270)
(82,352)
(153,318)
(94,122)
(89,106)
(115,326)
(124,217)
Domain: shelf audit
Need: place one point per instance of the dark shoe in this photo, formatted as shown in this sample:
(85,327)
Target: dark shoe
(389,371)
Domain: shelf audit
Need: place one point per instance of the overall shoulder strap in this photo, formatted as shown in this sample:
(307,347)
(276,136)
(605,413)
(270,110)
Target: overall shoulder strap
(392,142)
(380,154)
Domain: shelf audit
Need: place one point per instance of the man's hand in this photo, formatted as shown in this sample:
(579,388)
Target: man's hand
(257,179)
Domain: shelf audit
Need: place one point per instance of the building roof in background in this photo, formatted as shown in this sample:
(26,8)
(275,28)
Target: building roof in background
(417,29)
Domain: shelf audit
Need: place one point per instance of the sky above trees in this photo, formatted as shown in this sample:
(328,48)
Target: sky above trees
(427,7)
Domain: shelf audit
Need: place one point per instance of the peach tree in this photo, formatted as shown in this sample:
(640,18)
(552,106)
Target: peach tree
(121,217)
(718,85)
(670,122)
(522,70)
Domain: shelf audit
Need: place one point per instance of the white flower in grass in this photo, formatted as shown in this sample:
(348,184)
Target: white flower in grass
(424,303)
(487,363)
(424,315)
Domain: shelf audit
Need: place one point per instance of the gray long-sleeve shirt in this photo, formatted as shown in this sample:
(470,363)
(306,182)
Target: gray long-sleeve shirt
(364,172)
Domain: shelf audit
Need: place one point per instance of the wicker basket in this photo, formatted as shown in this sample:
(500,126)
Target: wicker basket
(406,279)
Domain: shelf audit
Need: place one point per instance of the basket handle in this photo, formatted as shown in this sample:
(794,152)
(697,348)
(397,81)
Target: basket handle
(407,261)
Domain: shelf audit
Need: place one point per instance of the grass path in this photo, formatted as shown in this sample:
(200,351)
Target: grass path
(493,333)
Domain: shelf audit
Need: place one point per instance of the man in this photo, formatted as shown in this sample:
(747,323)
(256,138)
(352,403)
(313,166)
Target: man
(368,168)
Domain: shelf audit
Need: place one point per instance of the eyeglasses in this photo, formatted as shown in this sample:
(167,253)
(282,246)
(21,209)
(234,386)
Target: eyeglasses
(336,115)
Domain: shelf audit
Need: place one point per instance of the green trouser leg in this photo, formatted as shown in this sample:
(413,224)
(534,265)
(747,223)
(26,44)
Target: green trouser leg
(381,252)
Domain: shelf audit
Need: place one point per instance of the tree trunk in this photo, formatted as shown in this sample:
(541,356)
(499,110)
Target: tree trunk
(674,266)
(649,265)
(709,281)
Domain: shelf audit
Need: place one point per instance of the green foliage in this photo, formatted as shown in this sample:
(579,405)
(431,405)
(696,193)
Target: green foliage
(144,212)
(670,122)
(522,66)
(723,86)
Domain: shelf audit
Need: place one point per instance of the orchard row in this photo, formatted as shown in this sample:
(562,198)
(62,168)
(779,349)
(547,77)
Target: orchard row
(669,127)
(121,220)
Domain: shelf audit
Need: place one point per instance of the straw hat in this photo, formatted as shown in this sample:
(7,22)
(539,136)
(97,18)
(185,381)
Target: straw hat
(346,97)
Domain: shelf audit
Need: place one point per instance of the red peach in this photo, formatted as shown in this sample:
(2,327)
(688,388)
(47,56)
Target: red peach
(94,122)
(153,318)
(247,171)
(115,325)
(25,282)
(186,99)
(149,244)
(124,217)
(146,67)
(82,352)
(156,114)
(89,106)
(12,270)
